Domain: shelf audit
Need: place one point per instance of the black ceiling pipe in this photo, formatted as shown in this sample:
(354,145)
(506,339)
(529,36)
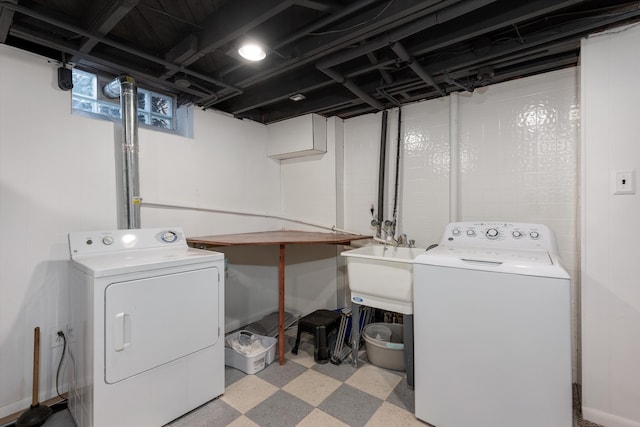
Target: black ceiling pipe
(310,28)
(402,15)
(259,98)
(415,66)
(396,187)
(414,27)
(381,173)
(354,88)
(120,46)
(24,34)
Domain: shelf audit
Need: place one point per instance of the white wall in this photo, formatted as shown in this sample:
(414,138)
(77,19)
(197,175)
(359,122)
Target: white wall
(57,174)
(225,167)
(611,230)
(518,163)
(308,186)
(519,155)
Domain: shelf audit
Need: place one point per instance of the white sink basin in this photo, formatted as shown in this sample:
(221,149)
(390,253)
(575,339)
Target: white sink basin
(382,277)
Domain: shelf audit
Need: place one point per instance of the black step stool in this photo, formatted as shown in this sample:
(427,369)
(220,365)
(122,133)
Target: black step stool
(319,323)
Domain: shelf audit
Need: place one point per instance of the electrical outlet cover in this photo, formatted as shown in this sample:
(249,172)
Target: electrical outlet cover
(624,182)
(54,339)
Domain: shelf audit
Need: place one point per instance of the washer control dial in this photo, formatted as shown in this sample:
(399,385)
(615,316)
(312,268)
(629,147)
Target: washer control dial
(455,231)
(492,233)
(534,235)
(107,240)
(471,232)
(516,234)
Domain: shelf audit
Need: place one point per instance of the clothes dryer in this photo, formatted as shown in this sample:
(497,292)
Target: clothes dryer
(147,325)
(492,329)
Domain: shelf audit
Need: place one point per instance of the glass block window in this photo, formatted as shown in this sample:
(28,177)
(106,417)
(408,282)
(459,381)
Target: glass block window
(155,110)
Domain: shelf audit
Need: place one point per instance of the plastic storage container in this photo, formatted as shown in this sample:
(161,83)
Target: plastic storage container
(388,353)
(254,362)
(379,332)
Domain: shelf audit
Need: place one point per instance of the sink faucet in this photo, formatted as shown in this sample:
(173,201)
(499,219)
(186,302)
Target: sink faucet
(402,241)
(386,236)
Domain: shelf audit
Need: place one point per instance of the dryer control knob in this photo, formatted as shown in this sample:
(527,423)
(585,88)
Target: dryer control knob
(516,234)
(455,231)
(534,235)
(471,233)
(107,240)
(492,233)
(169,236)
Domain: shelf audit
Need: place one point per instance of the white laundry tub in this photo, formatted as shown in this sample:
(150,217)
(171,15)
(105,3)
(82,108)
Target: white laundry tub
(381,276)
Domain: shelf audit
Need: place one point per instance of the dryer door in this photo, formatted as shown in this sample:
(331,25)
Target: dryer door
(155,320)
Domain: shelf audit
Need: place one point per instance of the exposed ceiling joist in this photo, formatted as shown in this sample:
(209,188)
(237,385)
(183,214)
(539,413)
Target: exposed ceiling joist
(102,21)
(235,19)
(325,6)
(6,17)
(104,64)
(348,57)
(370,23)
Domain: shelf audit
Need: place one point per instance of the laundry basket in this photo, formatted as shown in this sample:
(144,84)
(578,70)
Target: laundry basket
(255,361)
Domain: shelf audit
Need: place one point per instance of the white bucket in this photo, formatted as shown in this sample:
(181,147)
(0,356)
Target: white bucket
(386,354)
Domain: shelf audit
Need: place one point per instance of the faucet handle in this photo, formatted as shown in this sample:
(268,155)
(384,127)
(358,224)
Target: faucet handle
(412,243)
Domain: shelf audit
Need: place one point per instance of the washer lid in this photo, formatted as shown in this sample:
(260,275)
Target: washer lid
(526,262)
(122,262)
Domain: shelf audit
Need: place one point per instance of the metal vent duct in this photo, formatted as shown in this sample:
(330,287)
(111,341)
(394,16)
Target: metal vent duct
(127,175)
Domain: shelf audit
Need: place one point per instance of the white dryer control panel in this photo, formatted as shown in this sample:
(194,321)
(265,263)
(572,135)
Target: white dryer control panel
(521,236)
(96,242)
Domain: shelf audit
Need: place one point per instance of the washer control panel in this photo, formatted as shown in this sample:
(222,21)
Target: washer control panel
(499,235)
(91,242)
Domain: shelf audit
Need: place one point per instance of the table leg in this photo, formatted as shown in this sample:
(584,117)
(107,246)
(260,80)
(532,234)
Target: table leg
(281,337)
(355,332)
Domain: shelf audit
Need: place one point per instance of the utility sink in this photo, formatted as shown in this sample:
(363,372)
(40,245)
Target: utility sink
(381,276)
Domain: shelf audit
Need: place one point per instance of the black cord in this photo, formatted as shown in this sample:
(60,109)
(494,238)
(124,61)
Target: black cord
(64,350)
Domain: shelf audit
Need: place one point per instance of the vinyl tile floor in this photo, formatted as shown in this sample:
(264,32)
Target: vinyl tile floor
(306,394)
(302,393)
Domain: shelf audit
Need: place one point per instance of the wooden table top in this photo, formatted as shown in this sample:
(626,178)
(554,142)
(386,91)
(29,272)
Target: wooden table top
(277,238)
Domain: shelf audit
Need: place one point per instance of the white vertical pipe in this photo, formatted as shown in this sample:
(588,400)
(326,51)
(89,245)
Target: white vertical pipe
(454,157)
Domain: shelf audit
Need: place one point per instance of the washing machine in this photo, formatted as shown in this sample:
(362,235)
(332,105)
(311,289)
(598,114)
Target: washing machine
(147,327)
(492,330)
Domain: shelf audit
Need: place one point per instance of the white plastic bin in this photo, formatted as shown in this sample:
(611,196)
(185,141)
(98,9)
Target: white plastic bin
(254,362)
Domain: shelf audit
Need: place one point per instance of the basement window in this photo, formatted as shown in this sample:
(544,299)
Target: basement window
(155,110)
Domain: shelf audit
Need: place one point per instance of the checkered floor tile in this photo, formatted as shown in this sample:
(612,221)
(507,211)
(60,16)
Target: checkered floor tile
(304,393)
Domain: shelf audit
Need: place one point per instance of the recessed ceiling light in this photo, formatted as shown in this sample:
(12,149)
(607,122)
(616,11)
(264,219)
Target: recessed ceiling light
(252,52)
(297,97)
(182,83)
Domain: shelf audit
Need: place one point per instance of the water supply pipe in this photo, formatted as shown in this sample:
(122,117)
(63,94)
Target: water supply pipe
(454,156)
(128,173)
(162,205)
(395,194)
(381,170)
